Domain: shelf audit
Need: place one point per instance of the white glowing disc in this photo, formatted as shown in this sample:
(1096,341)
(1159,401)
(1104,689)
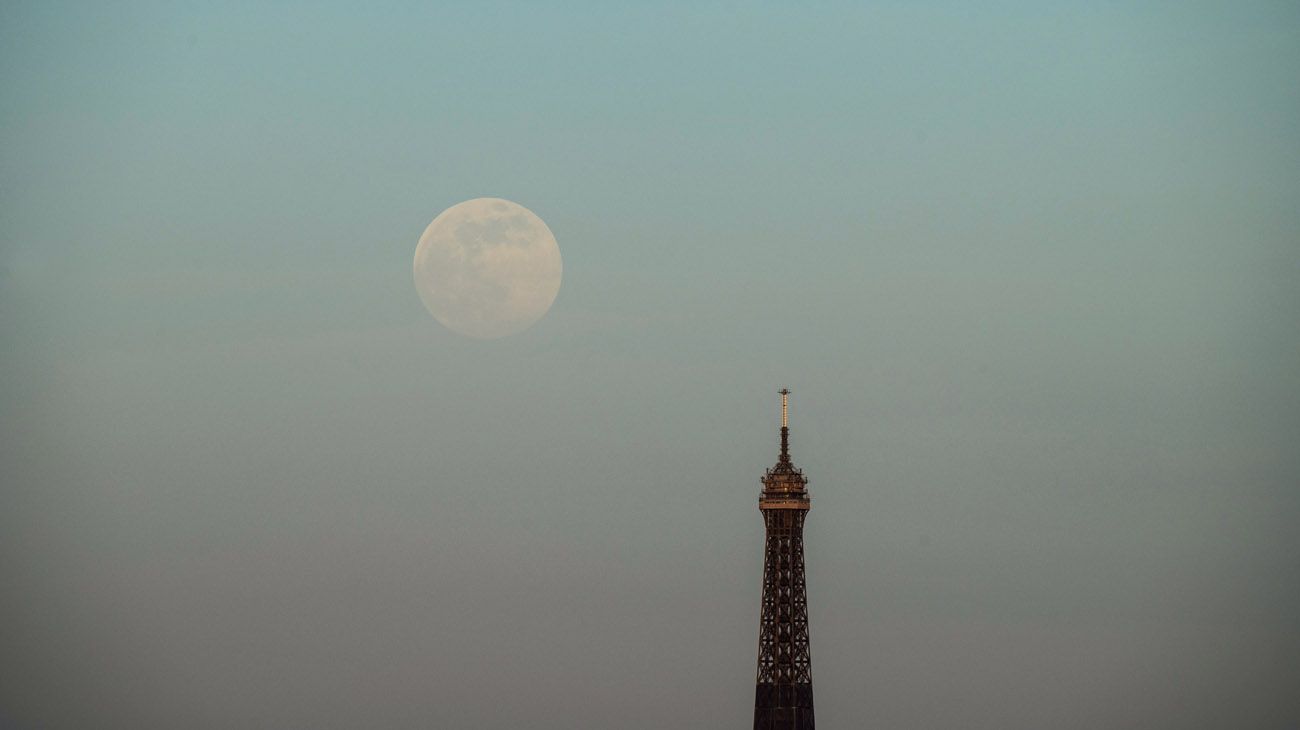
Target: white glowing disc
(487,268)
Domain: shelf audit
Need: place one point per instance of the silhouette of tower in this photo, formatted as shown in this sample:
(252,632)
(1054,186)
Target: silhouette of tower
(783,699)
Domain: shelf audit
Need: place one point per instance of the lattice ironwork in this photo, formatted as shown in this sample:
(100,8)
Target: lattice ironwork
(783,698)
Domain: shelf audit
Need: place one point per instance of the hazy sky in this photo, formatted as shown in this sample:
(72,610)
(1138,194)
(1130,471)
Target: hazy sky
(1032,271)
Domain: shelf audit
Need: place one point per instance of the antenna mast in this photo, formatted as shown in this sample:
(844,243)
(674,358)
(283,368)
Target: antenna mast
(785,424)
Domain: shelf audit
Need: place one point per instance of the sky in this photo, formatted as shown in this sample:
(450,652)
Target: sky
(1030,270)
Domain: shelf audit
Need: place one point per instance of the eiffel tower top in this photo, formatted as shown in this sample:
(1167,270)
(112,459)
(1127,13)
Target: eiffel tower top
(783,484)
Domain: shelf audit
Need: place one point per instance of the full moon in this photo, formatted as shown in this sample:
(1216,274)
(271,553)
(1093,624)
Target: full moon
(487,268)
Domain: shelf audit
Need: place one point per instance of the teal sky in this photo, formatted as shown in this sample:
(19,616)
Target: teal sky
(1030,269)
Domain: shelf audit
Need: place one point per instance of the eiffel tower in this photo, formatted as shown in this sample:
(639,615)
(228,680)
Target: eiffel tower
(783,698)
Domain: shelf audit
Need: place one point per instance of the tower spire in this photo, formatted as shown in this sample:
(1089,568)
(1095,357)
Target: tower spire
(785,425)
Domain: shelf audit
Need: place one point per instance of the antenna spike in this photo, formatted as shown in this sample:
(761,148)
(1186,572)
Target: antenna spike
(785,424)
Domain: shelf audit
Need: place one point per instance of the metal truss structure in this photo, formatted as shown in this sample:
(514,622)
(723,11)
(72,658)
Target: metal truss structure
(783,698)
